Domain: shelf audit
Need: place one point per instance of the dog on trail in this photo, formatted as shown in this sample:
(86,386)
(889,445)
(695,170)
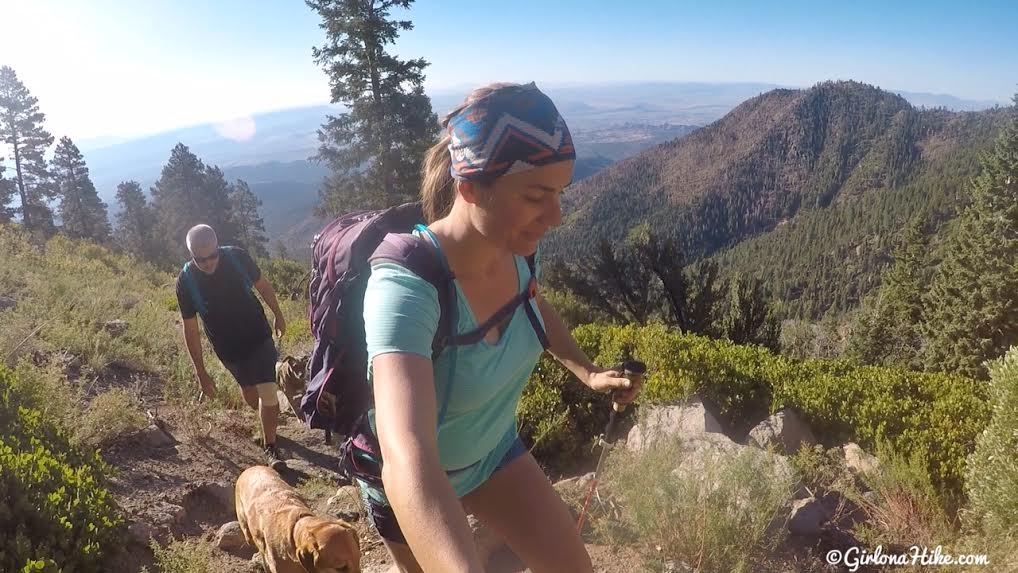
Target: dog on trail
(287,534)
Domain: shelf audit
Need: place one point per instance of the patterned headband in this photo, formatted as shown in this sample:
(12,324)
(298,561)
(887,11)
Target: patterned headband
(510,130)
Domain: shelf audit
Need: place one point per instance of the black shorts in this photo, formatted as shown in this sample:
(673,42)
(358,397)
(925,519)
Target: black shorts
(258,367)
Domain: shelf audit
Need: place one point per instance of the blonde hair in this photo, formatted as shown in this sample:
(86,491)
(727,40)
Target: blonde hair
(438,190)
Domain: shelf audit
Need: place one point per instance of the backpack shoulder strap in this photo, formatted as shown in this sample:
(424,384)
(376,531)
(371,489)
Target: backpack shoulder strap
(236,264)
(423,260)
(192,288)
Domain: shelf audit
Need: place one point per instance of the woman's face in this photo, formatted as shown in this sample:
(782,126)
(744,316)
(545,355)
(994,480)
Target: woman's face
(518,209)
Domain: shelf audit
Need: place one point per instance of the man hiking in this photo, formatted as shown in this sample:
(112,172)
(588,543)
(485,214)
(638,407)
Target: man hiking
(216,283)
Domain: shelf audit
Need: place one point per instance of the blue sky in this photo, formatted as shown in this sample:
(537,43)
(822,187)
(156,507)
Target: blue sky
(123,67)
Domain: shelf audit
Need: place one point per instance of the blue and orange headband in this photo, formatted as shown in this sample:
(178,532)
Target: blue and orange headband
(510,130)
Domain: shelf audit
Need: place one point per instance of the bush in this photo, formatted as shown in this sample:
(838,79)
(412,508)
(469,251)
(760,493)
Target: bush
(992,474)
(935,415)
(906,509)
(720,518)
(183,557)
(109,416)
(56,509)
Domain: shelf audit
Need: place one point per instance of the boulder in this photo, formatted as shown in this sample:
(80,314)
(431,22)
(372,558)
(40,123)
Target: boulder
(784,430)
(807,517)
(671,423)
(7,303)
(115,327)
(858,461)
(154,437)
(142,533)
(230,537)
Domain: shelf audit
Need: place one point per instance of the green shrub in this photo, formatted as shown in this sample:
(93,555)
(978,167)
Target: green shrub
(992,474)
(109,416)
(720,517)
(55,507)
(184,557)
(935,415)
(906,509)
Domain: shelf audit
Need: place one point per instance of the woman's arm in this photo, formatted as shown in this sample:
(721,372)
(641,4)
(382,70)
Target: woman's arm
(429,513)
(565,350)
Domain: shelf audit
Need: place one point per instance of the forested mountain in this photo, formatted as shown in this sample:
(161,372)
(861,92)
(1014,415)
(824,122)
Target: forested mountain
(812,185)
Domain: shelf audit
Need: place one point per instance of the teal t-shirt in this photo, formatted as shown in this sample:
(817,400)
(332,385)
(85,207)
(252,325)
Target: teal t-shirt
(401,313)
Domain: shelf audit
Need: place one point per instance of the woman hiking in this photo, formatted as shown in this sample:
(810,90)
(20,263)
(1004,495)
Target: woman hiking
(446,428)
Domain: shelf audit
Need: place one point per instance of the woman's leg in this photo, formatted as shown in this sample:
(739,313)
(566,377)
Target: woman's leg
(520,504)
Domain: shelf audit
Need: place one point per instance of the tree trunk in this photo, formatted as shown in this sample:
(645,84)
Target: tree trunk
(26,219)
(384,143)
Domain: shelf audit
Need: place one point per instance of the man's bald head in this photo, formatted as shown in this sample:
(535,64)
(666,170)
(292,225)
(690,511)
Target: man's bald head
(201,237)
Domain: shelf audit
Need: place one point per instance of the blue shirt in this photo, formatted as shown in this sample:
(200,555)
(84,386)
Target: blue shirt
(401,312)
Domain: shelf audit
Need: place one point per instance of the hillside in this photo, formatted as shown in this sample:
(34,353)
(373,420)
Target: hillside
(777,158)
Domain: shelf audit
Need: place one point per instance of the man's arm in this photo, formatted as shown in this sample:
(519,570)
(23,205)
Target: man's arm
(269,296)
(192,339)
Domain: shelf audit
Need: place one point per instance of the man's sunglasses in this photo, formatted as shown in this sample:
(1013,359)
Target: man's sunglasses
(212,257)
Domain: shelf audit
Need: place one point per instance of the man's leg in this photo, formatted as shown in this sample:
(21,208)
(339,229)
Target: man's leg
(268,410)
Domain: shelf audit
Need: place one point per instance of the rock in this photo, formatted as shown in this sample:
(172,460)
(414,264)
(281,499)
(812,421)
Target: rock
(257,564)
(705,457)
(166,514)
(346,504)
(7,303)
(576,482)
(785,430)
(807,517)
(154,437)
(230,536)
(223,493)
(129,301)
(142,533)
(115,327)
(858,461)
(670,423)
(487,541)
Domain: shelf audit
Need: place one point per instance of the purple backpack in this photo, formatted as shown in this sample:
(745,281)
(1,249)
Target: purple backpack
(337,393)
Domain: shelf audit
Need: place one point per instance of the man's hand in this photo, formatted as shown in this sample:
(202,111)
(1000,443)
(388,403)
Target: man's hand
(206,385)
(280,325)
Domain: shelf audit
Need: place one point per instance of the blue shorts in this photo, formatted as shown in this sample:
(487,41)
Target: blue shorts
(381,514)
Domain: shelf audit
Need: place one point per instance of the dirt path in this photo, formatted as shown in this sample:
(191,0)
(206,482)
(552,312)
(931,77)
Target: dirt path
(178,481)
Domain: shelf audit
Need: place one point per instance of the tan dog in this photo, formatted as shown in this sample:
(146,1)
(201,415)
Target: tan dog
(287,534)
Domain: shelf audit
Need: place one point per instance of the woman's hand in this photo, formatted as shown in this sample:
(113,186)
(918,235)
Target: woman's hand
(608,380)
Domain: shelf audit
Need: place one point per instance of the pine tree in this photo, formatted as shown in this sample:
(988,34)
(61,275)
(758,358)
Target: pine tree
(749,318)
(82,212)
(887,329)
(7,191)
(135,222)
(188,193)
(248,224)
(376,148)
(21,129)
(972,309)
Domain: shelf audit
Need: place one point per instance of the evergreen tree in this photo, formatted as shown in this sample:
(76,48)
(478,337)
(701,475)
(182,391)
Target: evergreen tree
(748,318)
(248,224)
(188,193)
(886,331)
(135,222)
(376,148)
(82,212)
(7,191)
(972,309)
(21,129)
